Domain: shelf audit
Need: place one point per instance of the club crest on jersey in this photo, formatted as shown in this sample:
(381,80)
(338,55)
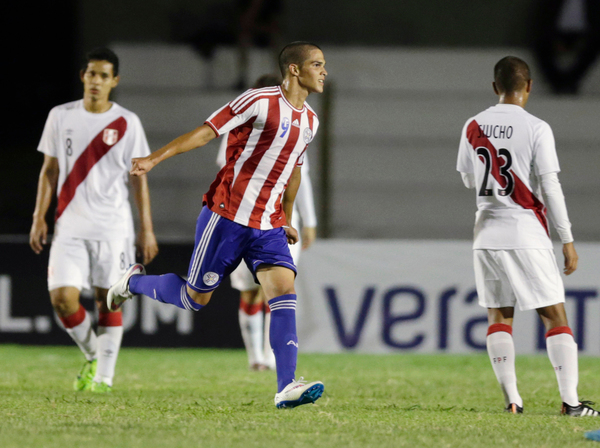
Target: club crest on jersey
(307,135)
(210,278)
(110,136)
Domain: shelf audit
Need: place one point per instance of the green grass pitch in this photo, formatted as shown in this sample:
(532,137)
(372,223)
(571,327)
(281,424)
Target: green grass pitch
(208,398)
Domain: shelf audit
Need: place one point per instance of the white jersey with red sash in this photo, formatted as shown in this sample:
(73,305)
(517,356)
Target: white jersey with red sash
(506,148)
(94,153)
(267,140)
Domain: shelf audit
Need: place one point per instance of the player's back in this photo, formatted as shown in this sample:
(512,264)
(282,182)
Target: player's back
(505,148)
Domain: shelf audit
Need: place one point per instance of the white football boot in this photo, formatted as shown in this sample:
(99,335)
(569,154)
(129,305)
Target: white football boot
(299,392)
(119,292)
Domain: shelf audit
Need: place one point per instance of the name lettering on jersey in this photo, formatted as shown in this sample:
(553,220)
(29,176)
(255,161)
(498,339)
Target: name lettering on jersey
(307,135)
(110,136)
(495,130)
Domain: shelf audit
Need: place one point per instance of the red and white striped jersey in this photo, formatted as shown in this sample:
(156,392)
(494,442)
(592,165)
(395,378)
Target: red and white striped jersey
(94,153)
(507,148)
(267,140)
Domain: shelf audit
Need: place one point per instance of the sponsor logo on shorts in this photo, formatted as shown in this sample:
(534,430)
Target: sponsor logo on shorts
(308,135)
(210,278)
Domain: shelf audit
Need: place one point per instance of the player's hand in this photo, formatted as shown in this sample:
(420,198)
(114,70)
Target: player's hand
(140,166)
(571,258)
(292,235)
(38,235)
(147,247)
(309,235)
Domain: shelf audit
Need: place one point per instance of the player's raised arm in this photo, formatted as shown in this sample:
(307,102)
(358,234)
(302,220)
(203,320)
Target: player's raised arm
(194,139)
(46,187)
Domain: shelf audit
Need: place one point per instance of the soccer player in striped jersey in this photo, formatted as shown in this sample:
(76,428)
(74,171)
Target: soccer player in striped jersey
(509,157)
(247,211)
(254,314)
(88,146)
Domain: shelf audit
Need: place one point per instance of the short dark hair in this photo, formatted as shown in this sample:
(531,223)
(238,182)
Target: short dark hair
(102,54)
(511,74)
(294,53)
(268,80)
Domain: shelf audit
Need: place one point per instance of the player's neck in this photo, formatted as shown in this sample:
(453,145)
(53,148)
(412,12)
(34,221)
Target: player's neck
(516,98)
(96,106)
(295,94)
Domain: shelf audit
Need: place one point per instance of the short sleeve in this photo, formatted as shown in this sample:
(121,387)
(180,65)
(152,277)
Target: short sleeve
(49,143)
(464,163)
(545,159)
(300,160)
(234,114)
(138,144)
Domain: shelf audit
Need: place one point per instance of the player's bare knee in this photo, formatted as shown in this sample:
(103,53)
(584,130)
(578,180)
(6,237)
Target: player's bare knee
(201,298)
(250,297)
(63,303)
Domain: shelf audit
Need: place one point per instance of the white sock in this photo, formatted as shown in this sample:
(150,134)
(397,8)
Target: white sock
(501,349)
(84,336)
(562,351)
(109,343)
(268,354)
(251,326)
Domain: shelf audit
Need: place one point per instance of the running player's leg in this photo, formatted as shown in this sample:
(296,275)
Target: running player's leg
(211,261)
(495,293)
(278,286)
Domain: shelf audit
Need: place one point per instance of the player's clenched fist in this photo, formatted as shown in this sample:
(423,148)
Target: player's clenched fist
(140,166)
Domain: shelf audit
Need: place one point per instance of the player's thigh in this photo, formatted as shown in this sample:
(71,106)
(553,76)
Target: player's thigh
(242,279)
(110,260)
(270,248)
(535,278)
(494,289)
(68,264)
(218,249)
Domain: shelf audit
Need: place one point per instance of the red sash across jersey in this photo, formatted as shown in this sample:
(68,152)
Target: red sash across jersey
(98,147)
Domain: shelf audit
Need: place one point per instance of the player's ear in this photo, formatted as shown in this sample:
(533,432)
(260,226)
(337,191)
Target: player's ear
(294,69)
(495,88)
(528,88)
(115,82)
(81,74)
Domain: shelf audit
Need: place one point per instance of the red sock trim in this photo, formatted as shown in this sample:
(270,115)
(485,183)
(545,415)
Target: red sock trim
(267,308)
(250,309)
(559,330)
(495,328)
(110,319)
(74,319)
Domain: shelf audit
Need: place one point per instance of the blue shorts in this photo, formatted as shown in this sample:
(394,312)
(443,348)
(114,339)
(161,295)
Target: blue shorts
(222,244)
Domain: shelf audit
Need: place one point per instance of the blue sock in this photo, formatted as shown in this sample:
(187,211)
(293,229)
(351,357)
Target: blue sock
(284,341)
(168,288)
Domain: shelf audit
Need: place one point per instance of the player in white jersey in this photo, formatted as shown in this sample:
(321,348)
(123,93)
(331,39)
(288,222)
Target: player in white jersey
(508,156)
(88,146)
(254,313)
(248,209)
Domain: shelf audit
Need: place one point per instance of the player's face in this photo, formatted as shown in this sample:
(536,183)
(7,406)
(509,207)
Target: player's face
(98,80)
(312,73)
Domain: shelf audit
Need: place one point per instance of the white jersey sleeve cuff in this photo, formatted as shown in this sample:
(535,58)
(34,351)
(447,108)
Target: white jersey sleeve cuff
(468,179)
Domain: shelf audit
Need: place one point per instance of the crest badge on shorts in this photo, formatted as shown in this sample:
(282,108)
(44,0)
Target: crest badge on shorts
(110,136)
(307,135)
(210,278)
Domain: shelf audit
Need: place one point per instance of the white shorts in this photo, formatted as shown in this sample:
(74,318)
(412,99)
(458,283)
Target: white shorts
(242,279)
(529,277)
(88,263)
